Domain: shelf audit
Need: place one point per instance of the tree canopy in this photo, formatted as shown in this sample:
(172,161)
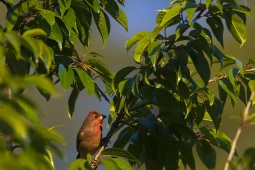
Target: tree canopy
(158,108)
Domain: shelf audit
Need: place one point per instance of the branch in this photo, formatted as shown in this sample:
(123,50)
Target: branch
(6,3)
(101,92)
(239,74)
(114,126)
(239,130)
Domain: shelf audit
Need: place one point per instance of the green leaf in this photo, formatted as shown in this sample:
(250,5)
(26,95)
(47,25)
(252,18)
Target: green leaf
(236,27)
(109,164)
(86,80)
(215,112)
(240,92)
(72,100)
(200,63)
(171,102)
(123,138)
(42,83)
(179,30)
(119,153)
(56,35)
(49,16)
(69,20)
(208,3)
(240,66)
(63,5)
(243,9)
(99,68)
(103,24)
(184,130)
(137,37)
(30,113)
(15,41)
(226,85)
(190,10)
(223,95)
(217,28)
(50,157)
(153,52)
(171,17)
(222,140)
(75,165)
(251,84)
(121,2)
(186,152)
(36,32)
(94,5)
(120,77)
(206,153)
(11,19)
(141,47)
(135,85)
(149,122)
(232,77)
(200,112)
(248,158)
(118,14)
(66,76)
(122,164)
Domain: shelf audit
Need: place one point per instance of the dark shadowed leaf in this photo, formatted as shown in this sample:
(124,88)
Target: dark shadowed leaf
(119,153)
(66,76)
(206,153)
(186,152)
(72,100)
(217,28)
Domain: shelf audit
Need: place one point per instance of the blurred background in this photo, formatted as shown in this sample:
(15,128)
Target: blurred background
(141,16)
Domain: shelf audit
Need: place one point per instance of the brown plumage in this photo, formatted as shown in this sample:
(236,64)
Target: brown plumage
(90,135)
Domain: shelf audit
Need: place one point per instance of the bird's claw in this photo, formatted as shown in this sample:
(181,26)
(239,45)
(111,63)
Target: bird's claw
(94,164)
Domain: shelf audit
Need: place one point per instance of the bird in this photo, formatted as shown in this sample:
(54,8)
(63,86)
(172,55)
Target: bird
(89,137)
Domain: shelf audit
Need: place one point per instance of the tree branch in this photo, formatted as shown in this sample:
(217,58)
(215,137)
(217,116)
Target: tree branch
(6,3)
(223,77)
(239,130)
(114,126)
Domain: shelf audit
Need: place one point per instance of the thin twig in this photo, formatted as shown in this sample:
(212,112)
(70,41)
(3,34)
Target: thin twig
(239,74)
(239,130)
(129,124)
(102,93)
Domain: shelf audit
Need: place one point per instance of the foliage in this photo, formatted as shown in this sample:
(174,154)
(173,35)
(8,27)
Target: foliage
(172,75)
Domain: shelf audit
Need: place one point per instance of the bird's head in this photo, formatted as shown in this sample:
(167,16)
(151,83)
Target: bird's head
(94,119)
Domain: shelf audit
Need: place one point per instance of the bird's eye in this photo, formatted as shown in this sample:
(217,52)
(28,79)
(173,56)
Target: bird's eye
(96,116)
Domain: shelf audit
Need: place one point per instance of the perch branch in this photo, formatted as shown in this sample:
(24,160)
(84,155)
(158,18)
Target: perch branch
(114,126)
(239,130)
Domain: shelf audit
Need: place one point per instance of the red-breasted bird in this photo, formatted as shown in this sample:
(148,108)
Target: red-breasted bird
(89,137)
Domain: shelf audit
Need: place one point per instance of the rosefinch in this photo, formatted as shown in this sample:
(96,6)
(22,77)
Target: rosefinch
(90,135)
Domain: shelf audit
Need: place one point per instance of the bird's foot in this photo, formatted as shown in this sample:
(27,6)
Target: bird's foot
(94,164)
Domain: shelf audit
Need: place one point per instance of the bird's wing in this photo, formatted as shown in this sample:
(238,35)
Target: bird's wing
(78,140)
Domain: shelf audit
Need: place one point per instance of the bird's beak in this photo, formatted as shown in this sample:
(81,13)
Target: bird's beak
(102,117)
